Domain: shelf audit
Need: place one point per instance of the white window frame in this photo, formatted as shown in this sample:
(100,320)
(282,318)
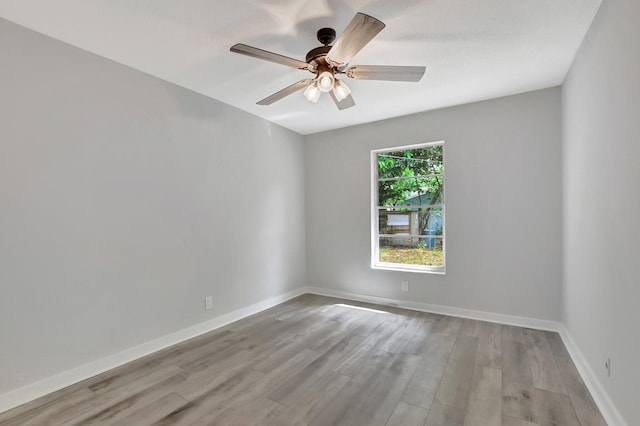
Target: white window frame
(375,250)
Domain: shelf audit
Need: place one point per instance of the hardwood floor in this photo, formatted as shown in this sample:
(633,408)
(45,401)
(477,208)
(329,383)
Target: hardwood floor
(322,361)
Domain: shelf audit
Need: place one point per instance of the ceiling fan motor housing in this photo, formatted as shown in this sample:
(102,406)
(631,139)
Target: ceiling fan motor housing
(316,57)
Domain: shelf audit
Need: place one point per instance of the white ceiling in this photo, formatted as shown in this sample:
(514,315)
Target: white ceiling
(473,49)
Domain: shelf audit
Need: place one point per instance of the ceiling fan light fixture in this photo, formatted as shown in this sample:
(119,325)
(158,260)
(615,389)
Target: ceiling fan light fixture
(325,81)
(312,93)
(341,90)
(332,59)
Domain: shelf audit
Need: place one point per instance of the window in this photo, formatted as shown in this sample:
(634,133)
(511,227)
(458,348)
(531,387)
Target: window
(407,224)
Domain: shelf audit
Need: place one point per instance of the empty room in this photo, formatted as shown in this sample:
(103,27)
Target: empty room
(335,212)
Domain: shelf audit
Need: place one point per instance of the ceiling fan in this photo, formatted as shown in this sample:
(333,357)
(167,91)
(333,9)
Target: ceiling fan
(328,62)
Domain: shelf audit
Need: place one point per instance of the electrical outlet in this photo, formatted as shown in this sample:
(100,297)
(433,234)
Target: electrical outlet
(404,285)
(607,365)
(208,303)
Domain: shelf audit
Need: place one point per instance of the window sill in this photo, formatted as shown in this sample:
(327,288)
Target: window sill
(409,268)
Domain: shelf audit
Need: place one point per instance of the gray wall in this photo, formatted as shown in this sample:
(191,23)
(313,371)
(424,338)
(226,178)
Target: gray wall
(124,201)
(503,206)
(601,103)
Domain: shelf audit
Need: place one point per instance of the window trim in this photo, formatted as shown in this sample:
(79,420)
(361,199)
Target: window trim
(375,250)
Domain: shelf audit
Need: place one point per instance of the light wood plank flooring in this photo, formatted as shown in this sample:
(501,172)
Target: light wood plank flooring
(322,361)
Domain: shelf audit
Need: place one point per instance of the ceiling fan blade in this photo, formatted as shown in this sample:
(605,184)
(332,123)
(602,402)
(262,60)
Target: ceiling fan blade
(254,52)
(286,92)
(360,31)
(347,102)
(385,72)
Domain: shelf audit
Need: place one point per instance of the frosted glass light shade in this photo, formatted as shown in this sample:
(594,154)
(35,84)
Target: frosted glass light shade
(312,93)
(341,90)
(325,81)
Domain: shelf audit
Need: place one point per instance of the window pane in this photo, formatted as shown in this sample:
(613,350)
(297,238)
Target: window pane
(422,161)
(409,216)
(426,251)
(411,221)
(411,191)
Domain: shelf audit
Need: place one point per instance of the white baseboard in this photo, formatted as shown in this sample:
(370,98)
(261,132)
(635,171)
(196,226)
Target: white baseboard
(600,396)
(440,309)
(59,381)
(36,390)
